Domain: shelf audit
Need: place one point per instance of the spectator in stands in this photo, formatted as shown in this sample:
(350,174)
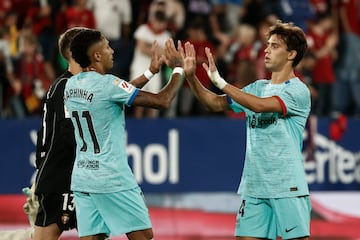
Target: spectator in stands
(347,67)
(154,30)
(41,17)
(196,35)
(8,83)
(175,14)
(245,57)
(5,7)
(12,33)
(254,11)
(31,74)
(322,41)
(75,15)
(300,12)
(226,16)
(118,15)
(198,9)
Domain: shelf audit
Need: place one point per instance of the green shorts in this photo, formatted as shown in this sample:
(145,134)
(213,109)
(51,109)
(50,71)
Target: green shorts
(271,217)
(111,213)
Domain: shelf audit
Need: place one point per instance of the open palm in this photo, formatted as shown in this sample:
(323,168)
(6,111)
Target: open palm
(189,59)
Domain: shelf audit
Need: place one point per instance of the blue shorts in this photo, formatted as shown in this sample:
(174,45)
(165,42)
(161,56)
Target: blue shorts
(111,213)
(272,217)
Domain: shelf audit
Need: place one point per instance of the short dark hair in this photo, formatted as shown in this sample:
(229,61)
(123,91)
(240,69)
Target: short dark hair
(293,36)
(65,40)
(81,45)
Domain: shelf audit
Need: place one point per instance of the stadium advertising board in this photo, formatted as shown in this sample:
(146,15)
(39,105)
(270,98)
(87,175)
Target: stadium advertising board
(189,155)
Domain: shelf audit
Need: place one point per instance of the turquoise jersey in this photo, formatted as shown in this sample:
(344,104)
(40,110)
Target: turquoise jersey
(96,105)
(274,165)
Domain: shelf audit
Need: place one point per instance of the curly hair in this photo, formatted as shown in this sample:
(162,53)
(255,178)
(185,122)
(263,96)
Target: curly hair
(293,36)
(81,44)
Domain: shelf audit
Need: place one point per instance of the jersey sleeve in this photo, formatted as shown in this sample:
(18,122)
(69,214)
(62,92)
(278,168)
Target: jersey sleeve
(121,91)
(295,100)
(236,107)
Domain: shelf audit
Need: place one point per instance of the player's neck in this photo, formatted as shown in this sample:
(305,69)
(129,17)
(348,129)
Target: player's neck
(74,67)
(95,68)
(282,76)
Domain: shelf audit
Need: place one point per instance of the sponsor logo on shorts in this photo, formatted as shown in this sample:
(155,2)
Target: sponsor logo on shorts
(289,229)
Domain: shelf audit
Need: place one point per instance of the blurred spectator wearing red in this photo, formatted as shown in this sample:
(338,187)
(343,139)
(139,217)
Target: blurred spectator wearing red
(154,30)
(196,34)
(322,42)
(31,75)
(347,86)
(76,15)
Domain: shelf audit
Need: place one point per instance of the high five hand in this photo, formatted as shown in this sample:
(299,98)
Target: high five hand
(189,60)
(156,60)
(174,57)
(212,71)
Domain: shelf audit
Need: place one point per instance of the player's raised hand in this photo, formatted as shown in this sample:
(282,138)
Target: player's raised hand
(211,67)
(156,60)
(173,55)
(189,60)
(212,71)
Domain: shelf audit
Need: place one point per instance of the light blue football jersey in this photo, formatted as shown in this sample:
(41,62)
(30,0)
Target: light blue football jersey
(96,105)
(274,165)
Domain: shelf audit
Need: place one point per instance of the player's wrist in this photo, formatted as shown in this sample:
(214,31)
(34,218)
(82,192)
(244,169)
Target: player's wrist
(217,80)
(178,70)
(148,74)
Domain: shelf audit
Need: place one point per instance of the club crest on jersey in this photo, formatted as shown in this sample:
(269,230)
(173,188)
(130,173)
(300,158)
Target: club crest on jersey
(65,218)
(125,86)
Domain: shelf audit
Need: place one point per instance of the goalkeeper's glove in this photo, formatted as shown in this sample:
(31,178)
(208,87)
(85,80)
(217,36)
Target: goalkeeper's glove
(216,79)
(31,205)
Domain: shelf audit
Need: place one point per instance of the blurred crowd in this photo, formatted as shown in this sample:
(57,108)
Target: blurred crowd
(234,30)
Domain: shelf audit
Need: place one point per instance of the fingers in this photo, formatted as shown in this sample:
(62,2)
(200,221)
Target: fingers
(206,67)
(211,60)
(170,50)
(162,60)
(181,49)
(154,47)
(170,46)
(190,50)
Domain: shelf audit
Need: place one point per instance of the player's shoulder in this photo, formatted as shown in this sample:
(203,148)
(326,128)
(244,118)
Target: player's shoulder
(62,78)
(59,83)
(260,83)
(297,84)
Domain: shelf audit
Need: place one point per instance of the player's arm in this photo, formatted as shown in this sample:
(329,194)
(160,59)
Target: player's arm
(249,101)
(162,100)
(155,66)
(210,100)
(252,102)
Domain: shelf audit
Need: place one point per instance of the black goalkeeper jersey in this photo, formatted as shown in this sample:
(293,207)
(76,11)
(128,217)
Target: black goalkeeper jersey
(55,148)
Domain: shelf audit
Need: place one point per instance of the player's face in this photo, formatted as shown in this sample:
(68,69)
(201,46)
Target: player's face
(276,54)
(106,54)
